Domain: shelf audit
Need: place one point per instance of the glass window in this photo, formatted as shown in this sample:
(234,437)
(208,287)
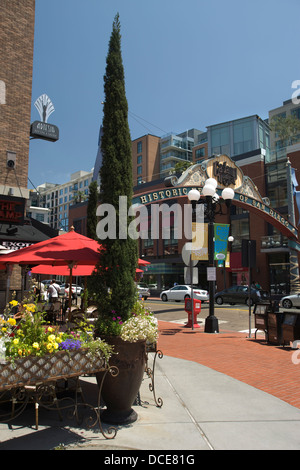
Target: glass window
(240,231)
(139,170)
(242,137)
(40,217)
(220,140)
(200,153)
(139,159)
(66,190)
(139,146)
(296,112)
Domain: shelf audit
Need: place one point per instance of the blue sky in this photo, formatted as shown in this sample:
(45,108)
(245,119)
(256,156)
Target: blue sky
(187,64)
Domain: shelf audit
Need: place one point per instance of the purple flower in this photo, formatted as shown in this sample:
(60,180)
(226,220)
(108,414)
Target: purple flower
(69,344)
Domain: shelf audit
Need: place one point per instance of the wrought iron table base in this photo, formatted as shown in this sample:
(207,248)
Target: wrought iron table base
(44,395)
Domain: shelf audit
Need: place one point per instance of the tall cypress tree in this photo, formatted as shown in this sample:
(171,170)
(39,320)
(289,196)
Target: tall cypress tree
(115,274)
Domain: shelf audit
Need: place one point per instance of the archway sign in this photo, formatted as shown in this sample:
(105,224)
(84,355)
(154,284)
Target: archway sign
(228,174)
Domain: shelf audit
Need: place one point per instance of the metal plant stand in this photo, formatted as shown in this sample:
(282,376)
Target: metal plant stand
(35,380)
(152,348)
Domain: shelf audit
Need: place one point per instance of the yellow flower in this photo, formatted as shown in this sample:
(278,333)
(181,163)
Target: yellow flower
(51,338)
(36,345)
(55,345)
(13,303)
(50,329)
(16,341)
(49,346)
(20,352)
(11,321)
(30,307)
(4,329)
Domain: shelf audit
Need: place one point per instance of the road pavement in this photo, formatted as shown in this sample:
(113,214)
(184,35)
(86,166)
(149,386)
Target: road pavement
(231,317)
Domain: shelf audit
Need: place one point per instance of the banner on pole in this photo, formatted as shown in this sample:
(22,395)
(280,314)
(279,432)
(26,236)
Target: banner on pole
(221,241)
(200,242)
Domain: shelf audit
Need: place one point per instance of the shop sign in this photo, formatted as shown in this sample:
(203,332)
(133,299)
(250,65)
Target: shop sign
(12,245)
(244,199)
(43,130)
(12,210)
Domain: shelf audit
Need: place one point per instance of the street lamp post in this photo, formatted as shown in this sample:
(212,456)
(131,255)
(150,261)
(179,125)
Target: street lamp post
(211,201)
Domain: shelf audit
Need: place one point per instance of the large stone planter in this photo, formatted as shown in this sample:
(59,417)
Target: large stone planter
(120,391)
(51,367)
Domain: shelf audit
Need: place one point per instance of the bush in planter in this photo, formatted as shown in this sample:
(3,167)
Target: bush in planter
(141,325)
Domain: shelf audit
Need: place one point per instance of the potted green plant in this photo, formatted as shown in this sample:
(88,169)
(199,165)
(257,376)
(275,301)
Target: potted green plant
(129,339)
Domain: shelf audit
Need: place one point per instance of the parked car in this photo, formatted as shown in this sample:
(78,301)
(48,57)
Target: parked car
(143,291)
(289,301)
(75,289)
(180,293)
(152,286)
(240,295)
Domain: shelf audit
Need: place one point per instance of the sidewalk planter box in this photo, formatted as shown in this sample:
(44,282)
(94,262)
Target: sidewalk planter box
(290,327)
(51,367)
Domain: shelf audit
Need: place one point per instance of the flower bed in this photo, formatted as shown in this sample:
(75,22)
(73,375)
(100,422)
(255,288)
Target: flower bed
(31,351)
(51,367)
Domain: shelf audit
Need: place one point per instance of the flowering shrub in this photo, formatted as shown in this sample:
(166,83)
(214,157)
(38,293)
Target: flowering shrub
(27,334)
(142,325)
(109,325)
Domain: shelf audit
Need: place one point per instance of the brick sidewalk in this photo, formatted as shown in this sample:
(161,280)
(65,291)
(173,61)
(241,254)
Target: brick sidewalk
(255,362)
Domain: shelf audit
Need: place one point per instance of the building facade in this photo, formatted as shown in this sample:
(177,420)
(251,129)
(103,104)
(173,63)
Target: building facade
(58,198)
(16,63)
(17,230)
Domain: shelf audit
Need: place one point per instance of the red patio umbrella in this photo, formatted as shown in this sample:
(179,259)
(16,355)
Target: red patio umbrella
(80,270)
(70,249)
(143,262)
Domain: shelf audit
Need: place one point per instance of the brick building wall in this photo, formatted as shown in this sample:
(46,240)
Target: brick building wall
(16,61)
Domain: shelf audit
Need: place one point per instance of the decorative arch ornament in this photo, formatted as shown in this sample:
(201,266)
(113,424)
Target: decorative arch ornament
(247,195)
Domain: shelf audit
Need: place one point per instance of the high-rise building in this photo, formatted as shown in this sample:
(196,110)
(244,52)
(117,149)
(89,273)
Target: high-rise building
(145,159)
(59,197)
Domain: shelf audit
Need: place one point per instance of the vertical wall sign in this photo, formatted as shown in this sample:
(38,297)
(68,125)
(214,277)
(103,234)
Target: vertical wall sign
(41,129)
